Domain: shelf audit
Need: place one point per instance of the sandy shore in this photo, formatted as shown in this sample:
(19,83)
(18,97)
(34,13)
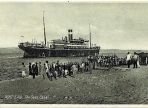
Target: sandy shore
(114,86)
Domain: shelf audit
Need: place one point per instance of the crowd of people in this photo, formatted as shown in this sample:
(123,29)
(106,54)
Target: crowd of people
(56,69)
(110,61)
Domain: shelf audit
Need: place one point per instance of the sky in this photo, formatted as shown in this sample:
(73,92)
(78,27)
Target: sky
(113,25)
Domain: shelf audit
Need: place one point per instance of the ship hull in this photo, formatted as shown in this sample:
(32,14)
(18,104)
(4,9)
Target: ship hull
(30,52)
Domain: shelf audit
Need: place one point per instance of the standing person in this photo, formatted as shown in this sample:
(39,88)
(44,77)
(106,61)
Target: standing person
(82,67)
(23,70)
(60,70)
(135,59)
(47,68)
(64,71)
(78,65)
(40,68)
(146,60)
(87,65)
(30,69)
(128,59)
(138,64)
(74,70)
(57,70)
(33,70)
(36,69)
(90,67)
(101,61)
(69,69)
(52,72)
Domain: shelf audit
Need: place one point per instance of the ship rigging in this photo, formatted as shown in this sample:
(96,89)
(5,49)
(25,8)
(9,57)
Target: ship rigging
(67,46)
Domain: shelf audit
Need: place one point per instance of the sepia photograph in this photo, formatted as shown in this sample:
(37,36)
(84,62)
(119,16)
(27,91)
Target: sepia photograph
(82,53)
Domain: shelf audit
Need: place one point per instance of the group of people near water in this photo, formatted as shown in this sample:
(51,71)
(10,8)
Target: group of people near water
(57,69)
(110,61)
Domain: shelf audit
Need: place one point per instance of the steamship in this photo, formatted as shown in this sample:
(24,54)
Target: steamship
(67,46)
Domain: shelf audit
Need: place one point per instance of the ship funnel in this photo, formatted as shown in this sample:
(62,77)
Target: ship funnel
(70,35)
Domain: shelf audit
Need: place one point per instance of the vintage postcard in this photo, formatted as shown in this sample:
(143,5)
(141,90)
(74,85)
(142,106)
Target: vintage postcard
(73,53)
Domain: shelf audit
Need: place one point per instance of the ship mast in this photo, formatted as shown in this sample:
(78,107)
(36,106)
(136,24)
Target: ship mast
(89,36)
(44,29)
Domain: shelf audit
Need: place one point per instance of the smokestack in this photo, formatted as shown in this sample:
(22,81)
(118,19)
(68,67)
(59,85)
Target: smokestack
(70,35)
